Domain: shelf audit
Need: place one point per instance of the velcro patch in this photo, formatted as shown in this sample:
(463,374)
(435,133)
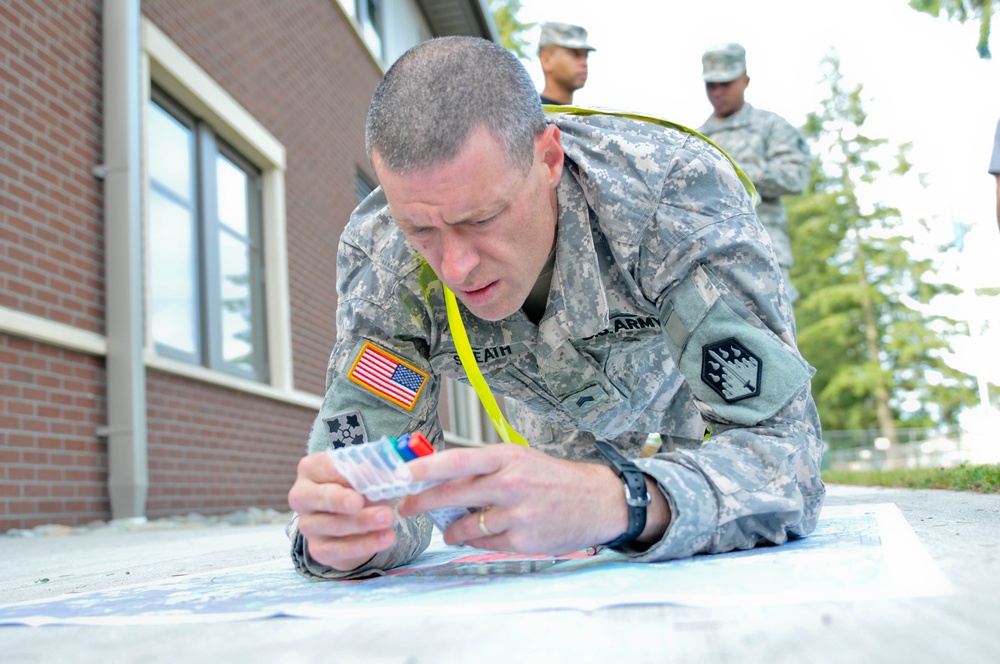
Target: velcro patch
(741,371)
(388,376)
(346,429)
(730,369)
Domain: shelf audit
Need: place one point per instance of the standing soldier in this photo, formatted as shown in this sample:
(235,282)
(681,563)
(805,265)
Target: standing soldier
(995,167)
(766,146)
(563,52)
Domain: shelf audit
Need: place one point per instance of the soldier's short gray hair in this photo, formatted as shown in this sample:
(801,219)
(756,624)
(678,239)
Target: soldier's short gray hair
(431,99)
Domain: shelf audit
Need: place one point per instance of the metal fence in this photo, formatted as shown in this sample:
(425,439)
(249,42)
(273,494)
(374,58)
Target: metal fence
(917,448)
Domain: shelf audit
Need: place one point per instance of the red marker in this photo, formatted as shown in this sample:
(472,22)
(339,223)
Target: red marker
(419,445)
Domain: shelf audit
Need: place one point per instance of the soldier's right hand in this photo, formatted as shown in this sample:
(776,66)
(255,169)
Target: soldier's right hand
(341,527)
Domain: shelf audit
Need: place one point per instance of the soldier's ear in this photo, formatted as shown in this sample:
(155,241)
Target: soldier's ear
(548,147)
(545,57)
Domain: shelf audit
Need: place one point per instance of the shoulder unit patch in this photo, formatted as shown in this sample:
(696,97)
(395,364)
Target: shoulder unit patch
(388,376)
(730,369)
(346,429)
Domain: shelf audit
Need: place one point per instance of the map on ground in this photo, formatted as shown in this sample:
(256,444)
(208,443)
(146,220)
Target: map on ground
(857,552)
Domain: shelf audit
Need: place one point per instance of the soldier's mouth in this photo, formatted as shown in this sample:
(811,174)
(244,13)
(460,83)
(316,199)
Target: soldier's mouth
(474,292)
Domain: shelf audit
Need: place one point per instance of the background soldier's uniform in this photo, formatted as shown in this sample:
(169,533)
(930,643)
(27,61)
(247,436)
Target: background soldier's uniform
(664,314)
(774,155)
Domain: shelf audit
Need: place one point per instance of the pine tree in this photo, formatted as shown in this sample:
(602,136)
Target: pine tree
(962,11)
(509,28)
(863,317)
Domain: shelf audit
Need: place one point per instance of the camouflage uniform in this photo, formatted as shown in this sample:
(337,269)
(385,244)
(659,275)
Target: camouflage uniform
(995,157)
(774,155)
(664,314)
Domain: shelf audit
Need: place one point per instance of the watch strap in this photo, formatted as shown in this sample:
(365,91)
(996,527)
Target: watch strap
(636,494)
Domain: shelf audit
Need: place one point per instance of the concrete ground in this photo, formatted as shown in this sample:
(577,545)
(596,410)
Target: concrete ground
(961,531)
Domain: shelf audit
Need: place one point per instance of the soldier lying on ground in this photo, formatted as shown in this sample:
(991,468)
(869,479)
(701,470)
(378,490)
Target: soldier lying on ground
(612,276)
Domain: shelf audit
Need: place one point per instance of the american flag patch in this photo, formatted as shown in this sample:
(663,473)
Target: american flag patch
(388,376)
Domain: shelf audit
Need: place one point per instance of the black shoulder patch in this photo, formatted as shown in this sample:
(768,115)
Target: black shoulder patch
(730,369)
(346,429)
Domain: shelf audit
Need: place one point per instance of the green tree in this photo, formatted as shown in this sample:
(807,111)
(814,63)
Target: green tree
(863,318)
(511,31)
(962,11)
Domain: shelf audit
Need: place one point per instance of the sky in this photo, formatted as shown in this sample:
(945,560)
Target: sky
(923,82)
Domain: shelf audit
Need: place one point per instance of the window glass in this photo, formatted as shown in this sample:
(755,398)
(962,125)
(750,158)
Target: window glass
(237,312)
(374,14)
(232,193)
(172,272)
(173,145)
(370,17)
(205,264)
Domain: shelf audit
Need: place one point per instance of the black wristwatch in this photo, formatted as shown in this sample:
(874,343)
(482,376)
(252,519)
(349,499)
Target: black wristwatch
(636,495)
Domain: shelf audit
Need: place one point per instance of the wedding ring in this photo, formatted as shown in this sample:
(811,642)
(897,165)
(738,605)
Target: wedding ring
(482,523)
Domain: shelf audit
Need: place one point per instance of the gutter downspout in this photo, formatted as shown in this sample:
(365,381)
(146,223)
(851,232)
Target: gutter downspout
(128,478)
(485,18)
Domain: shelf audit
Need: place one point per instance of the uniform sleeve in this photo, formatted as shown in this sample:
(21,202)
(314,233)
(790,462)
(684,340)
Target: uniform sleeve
(730,330)
(785,167)
(995,158)
(379,383)
(412,538)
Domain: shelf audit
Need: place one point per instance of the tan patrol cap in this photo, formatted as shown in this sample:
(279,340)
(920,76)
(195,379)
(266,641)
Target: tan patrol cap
(565,35)
(723,63)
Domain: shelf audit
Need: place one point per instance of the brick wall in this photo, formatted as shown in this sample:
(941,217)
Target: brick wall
(299,69)
(212,450)
(53,467)
(50,140)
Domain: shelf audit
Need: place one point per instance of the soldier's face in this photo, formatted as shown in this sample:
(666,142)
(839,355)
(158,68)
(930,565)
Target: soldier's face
(485,227)
(727,97)
(566,66)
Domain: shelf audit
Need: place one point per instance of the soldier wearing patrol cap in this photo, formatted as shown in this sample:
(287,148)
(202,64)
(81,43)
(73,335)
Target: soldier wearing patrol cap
(563,51)
(607,272)
(765,145)
(995,167)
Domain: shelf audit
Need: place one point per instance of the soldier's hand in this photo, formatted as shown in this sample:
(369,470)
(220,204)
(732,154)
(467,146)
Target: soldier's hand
(342,529)
(536,504)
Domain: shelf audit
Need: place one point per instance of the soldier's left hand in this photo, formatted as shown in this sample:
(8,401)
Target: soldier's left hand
(534,503)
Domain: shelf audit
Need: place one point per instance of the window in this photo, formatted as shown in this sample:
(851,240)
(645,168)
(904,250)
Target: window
(204,246)
(362,185)
(370,18)
(349,8)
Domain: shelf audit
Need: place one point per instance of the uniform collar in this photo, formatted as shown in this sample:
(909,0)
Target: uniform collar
(737,119)
(578,304)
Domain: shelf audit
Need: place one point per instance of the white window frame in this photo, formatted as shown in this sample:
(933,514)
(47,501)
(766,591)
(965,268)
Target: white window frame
(173,71)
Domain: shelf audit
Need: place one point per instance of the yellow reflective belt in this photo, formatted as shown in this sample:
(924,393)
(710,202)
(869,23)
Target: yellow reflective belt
(581,110)
(506,431)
